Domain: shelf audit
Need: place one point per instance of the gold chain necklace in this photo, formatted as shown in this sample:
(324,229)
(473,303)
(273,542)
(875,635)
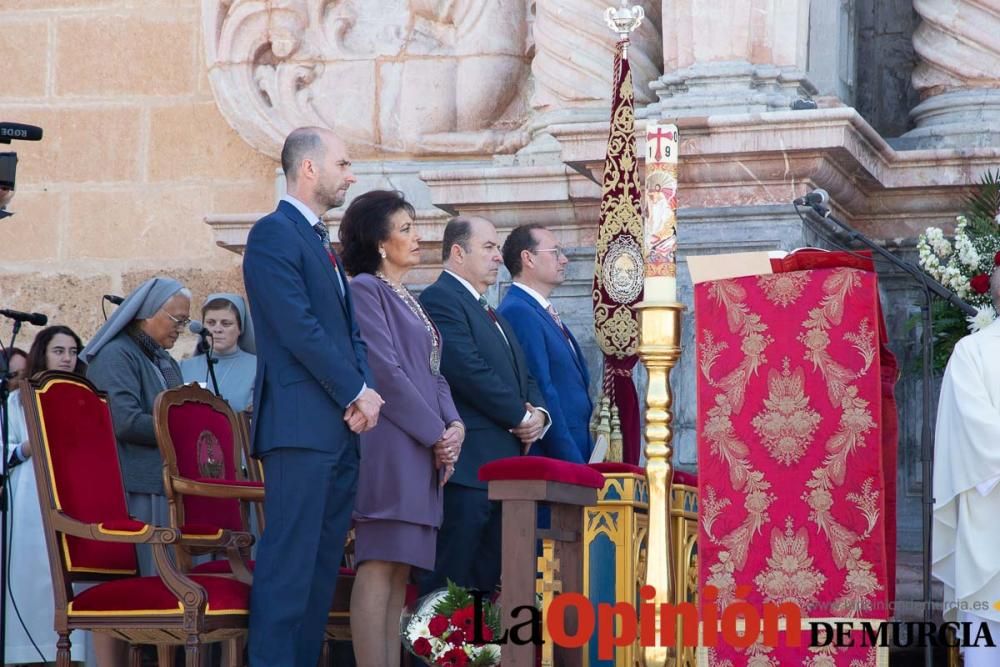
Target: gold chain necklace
(418,310)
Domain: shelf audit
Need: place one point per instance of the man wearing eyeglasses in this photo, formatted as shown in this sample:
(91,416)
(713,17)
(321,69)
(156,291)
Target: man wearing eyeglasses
(538,265)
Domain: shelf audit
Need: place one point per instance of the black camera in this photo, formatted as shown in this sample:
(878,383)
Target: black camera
(8,170)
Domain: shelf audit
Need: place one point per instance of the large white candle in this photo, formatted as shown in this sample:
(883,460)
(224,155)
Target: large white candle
(660,211)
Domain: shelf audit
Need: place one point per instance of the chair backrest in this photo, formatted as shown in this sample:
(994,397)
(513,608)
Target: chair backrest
(76,464)
(201,439)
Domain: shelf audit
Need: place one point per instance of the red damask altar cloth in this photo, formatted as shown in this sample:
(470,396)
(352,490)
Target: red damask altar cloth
(797,448)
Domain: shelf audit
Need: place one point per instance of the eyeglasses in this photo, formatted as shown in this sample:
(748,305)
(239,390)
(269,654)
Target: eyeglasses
(179,324)
(557,250)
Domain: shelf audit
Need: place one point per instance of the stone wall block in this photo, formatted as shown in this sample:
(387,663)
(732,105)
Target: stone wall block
(193,142)
(32,233)
(80,144)
(124,53)
(24,72)
(164,226)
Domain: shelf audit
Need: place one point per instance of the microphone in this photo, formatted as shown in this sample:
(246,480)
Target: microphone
(114,298)
(20,131)
(198,328)
(817,197)
(37,319)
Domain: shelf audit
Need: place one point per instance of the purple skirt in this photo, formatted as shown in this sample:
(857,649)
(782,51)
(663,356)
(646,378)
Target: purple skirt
(395,542)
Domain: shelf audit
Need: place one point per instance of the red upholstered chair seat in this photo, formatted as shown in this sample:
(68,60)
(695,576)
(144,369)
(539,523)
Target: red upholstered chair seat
(611,468)
(541,468)
(85,475)
(149,595)
(204,447)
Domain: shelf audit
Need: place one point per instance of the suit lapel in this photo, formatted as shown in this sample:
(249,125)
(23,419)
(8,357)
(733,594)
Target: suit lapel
(566,334)
(471,302)
(315,246)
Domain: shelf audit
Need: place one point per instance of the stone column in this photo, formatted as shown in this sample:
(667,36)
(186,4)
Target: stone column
(958,75)
(574,56)
(735,56)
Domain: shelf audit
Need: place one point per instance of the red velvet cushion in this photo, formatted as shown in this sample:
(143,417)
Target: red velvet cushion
(612,468)
(86,476)
(220,566)
(141,595)
(686,478)
(189,424)
(541,468)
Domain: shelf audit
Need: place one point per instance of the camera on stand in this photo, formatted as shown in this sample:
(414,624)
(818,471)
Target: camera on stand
(8,160)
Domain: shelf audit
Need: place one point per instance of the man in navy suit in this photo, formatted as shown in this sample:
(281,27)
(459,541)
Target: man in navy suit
(537,264)
(313,395)
(494,393)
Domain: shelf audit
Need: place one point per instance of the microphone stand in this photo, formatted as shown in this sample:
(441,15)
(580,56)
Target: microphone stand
(211,362)
(4,508)
(930,287)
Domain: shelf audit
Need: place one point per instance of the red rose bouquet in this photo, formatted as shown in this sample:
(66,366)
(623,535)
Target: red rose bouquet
(441,630)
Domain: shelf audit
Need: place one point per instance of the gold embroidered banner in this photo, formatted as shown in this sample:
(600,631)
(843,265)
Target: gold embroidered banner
(791,471)
(619,266)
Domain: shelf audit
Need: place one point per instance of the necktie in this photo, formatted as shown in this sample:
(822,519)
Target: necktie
(324,236)
(555,316)
(486,306)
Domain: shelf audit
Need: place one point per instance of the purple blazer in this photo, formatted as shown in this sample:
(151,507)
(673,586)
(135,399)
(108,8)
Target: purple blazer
(397,479)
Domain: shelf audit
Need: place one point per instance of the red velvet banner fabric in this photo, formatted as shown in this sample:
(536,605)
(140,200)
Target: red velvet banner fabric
(619,268)
(796,488)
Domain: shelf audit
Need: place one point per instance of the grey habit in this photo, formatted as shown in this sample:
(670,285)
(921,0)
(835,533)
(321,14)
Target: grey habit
(235,371)
(118,365)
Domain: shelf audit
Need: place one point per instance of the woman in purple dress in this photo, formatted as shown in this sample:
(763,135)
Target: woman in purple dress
(409,455)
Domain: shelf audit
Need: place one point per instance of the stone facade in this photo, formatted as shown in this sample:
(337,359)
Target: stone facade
(135,154)
(162,115)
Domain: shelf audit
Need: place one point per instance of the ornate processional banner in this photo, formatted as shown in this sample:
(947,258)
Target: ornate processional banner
(793,480)
(619,266)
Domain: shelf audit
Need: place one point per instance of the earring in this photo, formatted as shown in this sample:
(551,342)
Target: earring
(381,252)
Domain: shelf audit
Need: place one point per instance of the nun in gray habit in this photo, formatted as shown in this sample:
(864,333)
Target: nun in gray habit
(236,365)
(128,359)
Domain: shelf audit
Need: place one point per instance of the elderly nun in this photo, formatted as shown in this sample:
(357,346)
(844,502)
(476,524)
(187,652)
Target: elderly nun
(128,359)
(225,317)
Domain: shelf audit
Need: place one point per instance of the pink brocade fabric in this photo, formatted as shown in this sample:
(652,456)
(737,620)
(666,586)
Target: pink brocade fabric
(790,431)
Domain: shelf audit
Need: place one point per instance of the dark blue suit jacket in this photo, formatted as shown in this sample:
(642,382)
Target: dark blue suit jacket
(561,372)
(311,361)
(490,381)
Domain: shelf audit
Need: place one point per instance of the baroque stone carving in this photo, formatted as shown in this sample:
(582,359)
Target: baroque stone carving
(401,76)
(574,52)
(958,75)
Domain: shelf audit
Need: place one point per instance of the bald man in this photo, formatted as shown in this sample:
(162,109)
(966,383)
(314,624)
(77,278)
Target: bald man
(313,395)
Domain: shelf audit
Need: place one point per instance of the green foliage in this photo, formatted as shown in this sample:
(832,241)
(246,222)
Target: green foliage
(982,205)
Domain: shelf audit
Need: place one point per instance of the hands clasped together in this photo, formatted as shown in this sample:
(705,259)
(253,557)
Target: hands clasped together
(530,429)
(362,414)
(447,449)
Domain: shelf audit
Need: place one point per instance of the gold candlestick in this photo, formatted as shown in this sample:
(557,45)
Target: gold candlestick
(659,349)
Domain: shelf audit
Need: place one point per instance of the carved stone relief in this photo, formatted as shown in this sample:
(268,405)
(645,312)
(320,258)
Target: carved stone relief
(400,76)
(574,52)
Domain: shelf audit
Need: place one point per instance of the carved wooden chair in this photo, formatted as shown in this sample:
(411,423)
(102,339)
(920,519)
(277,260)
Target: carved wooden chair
(202,443)
(91,538)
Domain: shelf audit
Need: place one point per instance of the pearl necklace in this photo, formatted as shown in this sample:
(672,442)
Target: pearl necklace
(419,312)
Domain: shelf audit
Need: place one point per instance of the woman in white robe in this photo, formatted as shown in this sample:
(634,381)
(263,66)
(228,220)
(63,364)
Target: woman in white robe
(30,602)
